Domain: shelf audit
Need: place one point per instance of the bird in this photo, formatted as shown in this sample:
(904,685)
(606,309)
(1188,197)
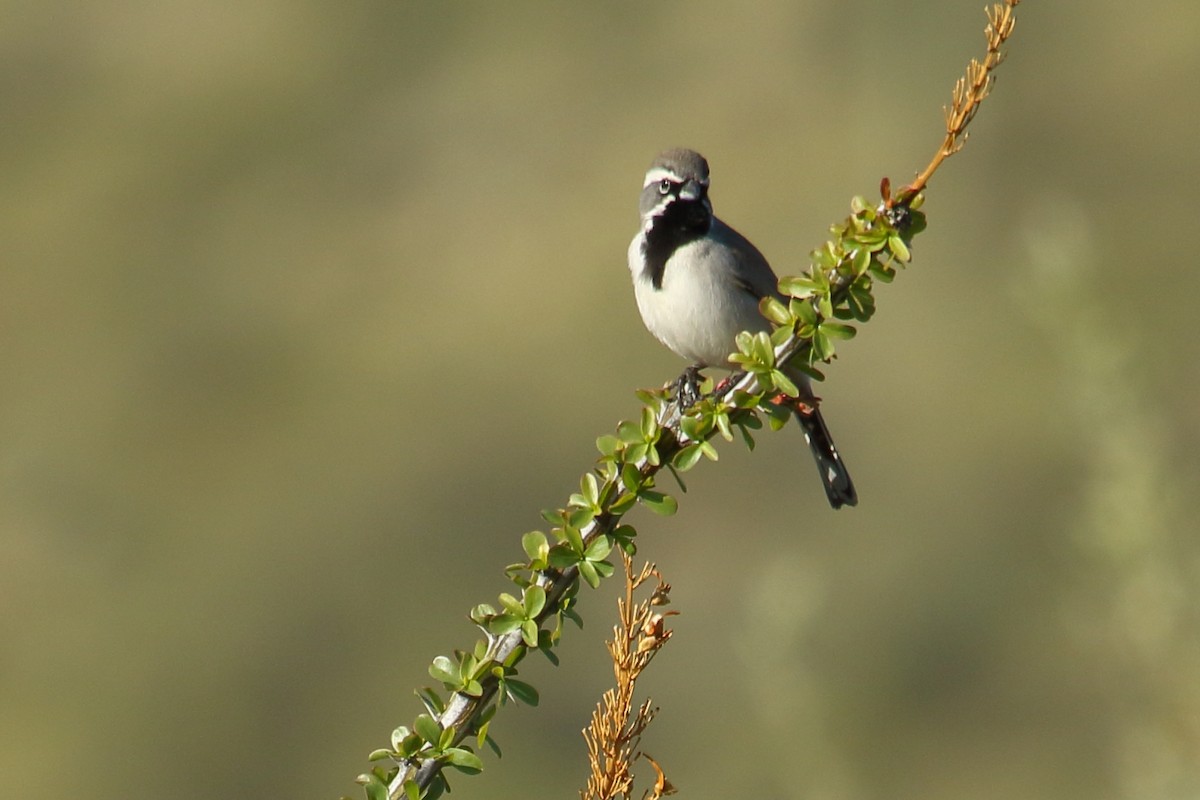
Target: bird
(698,283)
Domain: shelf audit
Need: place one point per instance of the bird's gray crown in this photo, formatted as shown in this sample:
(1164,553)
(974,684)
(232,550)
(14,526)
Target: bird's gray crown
(678,165)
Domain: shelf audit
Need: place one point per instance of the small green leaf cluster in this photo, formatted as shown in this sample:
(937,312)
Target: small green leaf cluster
(756,355)
(426,741)
(868,246)
(581,538)
(719,416)
(629,461)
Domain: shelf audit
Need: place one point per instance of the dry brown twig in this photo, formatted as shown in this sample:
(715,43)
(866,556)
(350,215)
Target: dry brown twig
(614,735)
(969,91)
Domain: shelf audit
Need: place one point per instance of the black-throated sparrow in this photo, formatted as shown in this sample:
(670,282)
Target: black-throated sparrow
(698,283)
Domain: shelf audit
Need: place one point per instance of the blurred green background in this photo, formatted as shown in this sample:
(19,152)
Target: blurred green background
(307,309)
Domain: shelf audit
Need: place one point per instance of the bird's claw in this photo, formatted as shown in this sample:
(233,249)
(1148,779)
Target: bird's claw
(686,387)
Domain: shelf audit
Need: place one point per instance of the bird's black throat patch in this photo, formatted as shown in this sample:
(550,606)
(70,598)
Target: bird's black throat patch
(680,222)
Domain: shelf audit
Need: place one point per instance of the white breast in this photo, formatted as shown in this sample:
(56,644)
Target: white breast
(700,308)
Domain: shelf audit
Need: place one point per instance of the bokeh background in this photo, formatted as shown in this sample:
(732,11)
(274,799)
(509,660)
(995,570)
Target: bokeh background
(306,309)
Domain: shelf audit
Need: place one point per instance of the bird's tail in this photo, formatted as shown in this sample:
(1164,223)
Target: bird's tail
(834,475)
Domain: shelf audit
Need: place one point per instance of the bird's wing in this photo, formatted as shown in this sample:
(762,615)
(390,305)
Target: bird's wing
(752,273)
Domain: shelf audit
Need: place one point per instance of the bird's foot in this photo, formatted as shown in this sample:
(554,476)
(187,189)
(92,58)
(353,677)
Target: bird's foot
(686,387)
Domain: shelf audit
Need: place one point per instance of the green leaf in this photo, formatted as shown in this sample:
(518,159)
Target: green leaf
(873,238)
(881,273)
(774,311)
(587,571)
(507,623)
(598,548)
(561,557)
(860,261)
(824,256)
(432,701)
(722,421)
(520,690)
(745,342)
(572,615)
(608,445)
(678,476)
(511,604)
(623,537)
(529,632)
(687,457)
(649,425)
(464,759)
(437,786)
(622,504)
(411,790)
(603,568)
(550,655)
(535,546)
(589,488)
(696,426)
(777,415)
(806,314)
(398,736)
(916,219)
(375,788)
(631,477)
(810,371)
(837,330)
(379,755)
(444,670)
(580,517)
(427,728)
(822,345)
(534,600)
(624,533)
(859,301)
(784,383)
(747,437)
(658,502)
(899,248)
(654,398)
(764,353)
(629,433)
(793,286)
(741,399)
(574,538)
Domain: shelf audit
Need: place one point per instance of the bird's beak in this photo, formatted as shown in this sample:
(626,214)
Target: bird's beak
(691,191)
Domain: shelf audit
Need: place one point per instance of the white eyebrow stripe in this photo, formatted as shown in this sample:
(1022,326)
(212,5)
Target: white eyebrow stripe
(658,174)
(663,173)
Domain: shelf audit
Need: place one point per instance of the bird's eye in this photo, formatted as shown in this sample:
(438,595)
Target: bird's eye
(664,186)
